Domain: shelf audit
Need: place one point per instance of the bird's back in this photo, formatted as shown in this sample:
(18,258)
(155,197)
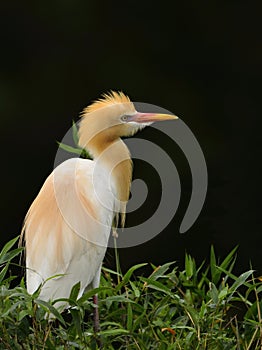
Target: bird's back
(67,228)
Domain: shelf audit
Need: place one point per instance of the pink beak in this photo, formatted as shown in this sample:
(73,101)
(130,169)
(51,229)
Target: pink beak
(151,117)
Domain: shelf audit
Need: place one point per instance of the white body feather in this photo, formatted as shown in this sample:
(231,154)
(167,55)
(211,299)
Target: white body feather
(67,229)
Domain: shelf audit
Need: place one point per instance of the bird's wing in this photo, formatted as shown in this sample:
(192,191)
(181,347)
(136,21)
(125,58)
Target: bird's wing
(66,229)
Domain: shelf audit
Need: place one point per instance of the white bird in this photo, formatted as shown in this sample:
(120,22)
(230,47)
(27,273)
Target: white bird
(68,225)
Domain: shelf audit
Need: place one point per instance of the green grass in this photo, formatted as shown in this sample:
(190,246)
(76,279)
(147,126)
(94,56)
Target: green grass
(196,308)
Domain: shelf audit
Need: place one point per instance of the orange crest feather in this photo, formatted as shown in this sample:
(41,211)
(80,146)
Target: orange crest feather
(107,99)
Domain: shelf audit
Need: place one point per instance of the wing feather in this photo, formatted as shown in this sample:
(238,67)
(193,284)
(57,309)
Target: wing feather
(67,229)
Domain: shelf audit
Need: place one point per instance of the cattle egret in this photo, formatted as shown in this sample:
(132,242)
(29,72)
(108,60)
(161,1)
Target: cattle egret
(68,225)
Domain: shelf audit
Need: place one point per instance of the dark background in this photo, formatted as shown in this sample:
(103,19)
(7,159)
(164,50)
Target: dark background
(200,60)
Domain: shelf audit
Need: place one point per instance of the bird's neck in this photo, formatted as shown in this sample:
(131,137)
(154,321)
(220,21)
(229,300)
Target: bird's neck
(114,157)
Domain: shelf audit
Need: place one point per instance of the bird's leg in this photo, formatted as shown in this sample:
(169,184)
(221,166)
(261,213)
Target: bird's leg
(96,314)
(96,321)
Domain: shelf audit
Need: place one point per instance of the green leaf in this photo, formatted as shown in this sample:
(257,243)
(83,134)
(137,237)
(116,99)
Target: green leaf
(127,276)
(91,293)
(117,298)
(66,301)
(228,259)
(215,273)
(114,332)
(192,314)
(229,274)
(22,314)
(157,286)
(241,280)
(203,310)
(70,149)
(8,256)
(129,317)
(110,324)
(85,154)
(81,152)
(3,272)
(75,291)
(213,292)
(259,289)
(160,271)
(252,311)
(10,310)
(135,289)
(189,266)
(9,245)
(50,309)
(76,321)
(111,271)
(223,293)
(75,133)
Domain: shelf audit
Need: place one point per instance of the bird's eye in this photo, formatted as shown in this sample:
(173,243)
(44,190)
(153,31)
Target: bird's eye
(124,118)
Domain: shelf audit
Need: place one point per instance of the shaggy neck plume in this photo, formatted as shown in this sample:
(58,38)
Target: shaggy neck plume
(114,157)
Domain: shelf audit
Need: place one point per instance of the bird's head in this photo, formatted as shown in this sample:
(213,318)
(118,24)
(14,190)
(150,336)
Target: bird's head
(110,118)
